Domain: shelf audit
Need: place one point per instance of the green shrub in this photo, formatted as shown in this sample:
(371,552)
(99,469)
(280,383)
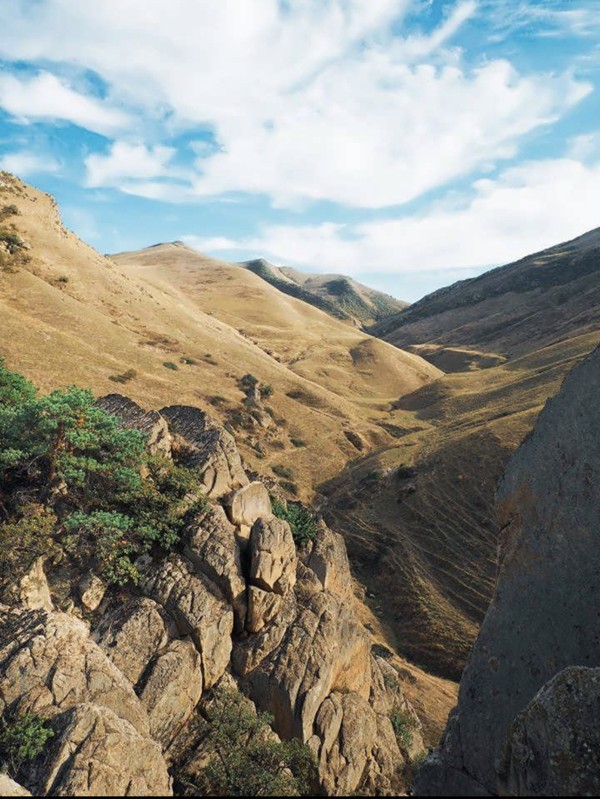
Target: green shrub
(188,361)
(403,724)
(130,374)
(24,538)
(22,739)
(282,471)
(298,442)
(170,365)
(82,475)
(289,486)
(12,241)
(7,211)
(266,391)
(301,521)
(246,761)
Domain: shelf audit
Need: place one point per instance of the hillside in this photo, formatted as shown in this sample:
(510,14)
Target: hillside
(538,301)
(71,315)
(419,514)
(338,295)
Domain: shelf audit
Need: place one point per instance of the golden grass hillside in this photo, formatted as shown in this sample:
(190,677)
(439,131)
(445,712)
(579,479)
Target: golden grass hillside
(70,315)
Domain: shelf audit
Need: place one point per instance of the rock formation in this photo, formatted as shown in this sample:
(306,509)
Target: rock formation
(527,715)
(123,675)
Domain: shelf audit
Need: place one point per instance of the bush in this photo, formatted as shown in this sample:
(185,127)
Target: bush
(170,365)
(282,471)
(82,476)
(22,739)
(289,486)
(403,724)
(266,391)
(188,361)
(303,526)
(246,761)
(130,374)
(298,442)
(23,539)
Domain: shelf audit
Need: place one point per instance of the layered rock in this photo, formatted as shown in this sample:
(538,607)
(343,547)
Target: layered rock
(150,423)
(207,447)
(543,618)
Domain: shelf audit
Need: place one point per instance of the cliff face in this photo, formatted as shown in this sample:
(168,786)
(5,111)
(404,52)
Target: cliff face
(525,719)
(122,676)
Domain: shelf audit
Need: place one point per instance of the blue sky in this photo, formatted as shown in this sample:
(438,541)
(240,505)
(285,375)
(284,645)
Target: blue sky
(409,143)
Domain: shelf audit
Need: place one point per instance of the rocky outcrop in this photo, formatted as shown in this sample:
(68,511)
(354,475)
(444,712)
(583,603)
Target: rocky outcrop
(101,745)
(9,787)
(245,506)
(272,556)
(543,618)
(208,447)
(198,610)
(33,590)
(150,423)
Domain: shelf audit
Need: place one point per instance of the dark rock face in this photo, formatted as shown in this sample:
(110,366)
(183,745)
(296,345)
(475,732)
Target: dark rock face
(544,616)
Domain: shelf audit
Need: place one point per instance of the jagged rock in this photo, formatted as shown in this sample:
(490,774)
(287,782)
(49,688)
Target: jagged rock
(248,504)
(544,615)
(9,787)
(248,653)
(96,753)
(272,556)
(172,689)
(554,744)
(263,607)
(197,608)
(132,634)
(150,423)
(328,559)
(212,548)
(325,650)
(91,591)
(49,660)
(33,590)
(208,448)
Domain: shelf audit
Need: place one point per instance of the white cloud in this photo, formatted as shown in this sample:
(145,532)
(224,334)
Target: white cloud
(526,209)
(125,162)
(308,100)
(45,97)
(25,164)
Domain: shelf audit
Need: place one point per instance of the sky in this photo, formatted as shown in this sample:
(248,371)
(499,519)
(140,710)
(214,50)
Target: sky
(408,143)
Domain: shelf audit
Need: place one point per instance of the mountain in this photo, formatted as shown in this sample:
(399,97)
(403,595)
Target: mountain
(527,717)
(337,295)
(541,300)
(168,323)
(418,514)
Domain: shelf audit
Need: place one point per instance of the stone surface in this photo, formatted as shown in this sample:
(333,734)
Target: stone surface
(554,744)
(328,559)
(150,423)
(249,652)
(263,607)
(324,650)
(96,753)
(33,590)
(91,591)
(248,504)
(132,634)
(9,787)
(172,689)
(272,556)
(198,610)
(212,548)
(544,615)
(48,660)
(208,448)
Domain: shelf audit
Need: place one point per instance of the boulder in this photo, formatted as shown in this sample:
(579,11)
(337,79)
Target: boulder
(172,689)
(33,590)
(212,548)
(132,417)
(554,744)
(328,559)
(132,634)
(198,609)
(208,448)
(91,591)
(48,661)
(96,753)
(263,607)
(246,505)
(249,652)
(272,556)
